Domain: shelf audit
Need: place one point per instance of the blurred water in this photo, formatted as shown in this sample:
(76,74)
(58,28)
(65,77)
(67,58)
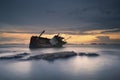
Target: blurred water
(103,67)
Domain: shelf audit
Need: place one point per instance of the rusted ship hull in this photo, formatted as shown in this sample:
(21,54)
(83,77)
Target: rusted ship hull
(37,42)
(41,42)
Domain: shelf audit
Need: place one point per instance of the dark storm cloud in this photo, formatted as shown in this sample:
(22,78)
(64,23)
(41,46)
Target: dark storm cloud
(111,30)
(76,15)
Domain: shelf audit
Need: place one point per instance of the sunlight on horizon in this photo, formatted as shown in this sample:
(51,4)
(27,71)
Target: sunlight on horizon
(24,38)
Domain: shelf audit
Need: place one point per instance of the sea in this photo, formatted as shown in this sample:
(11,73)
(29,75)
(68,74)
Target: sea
(106,66)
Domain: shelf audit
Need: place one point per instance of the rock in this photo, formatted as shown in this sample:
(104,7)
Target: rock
(88,54)
(53,56)
(92,54)
(82,54)
(14,56)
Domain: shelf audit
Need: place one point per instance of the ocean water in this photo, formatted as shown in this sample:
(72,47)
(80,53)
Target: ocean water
(104,67)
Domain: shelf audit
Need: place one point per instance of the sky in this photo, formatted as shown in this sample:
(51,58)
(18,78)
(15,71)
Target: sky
(86,21)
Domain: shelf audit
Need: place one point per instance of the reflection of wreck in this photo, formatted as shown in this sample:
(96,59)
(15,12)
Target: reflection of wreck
(41,42)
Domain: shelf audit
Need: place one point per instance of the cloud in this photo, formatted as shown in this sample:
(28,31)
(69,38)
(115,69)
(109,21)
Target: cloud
(65,30)
(107,39)
(98,14)
(4,40)
(103,38)
(114,30)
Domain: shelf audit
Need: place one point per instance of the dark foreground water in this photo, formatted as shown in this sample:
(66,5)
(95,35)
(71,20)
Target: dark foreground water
(104,67)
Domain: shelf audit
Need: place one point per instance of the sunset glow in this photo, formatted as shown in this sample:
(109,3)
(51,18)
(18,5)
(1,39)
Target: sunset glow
(85,21)
(24,38)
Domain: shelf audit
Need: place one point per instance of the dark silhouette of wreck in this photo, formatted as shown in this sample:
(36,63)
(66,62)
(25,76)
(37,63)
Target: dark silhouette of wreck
(41,42)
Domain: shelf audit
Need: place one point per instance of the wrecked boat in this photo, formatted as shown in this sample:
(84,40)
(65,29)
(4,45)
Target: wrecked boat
(42,42)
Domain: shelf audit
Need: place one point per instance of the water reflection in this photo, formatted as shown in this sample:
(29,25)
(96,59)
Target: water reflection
(75,68)
(80,65)
(20,67)
(104,67)
(85,64)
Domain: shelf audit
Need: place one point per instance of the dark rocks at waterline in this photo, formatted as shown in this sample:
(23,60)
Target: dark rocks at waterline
(88,54)
(92,54)
(53,56)
(17,56)
(47,56)
(82,54)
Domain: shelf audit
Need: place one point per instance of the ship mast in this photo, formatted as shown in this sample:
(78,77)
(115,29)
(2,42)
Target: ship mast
(41,33)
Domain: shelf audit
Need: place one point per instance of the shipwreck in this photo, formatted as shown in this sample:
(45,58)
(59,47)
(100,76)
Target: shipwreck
(42,42)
